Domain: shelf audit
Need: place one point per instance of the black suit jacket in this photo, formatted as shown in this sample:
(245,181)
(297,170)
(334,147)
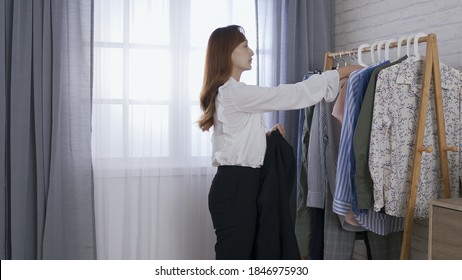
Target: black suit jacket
(275,237)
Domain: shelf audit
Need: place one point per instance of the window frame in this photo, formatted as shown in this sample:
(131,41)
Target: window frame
(180,107)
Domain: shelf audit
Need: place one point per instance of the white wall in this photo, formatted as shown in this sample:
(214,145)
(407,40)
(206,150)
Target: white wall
(367,21)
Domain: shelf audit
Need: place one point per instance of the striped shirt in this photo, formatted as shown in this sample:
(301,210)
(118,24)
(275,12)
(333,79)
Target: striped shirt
(345,197)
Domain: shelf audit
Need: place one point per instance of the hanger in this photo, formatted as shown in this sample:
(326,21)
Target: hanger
(360,54)
(379,49)
(354,57)
(416,44)
(400,43)
(387,47)
(336,62)
(408,45)
(344,61)
(373,46)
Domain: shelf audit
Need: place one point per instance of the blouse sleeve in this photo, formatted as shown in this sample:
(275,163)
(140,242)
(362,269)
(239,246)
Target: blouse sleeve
(256,99)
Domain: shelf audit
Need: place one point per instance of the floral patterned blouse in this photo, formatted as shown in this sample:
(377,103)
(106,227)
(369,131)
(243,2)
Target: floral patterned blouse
(393,135)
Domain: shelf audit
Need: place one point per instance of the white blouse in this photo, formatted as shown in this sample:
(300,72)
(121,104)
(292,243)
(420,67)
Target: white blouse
(239,132)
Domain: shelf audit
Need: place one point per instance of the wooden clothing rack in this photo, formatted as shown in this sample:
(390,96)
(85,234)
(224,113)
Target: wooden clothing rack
(431,73)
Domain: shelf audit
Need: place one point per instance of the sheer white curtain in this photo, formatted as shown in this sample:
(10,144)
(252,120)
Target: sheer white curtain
(152,164)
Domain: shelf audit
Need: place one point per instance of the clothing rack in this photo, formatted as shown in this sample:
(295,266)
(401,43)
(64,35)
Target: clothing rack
(431,73)
(330,56)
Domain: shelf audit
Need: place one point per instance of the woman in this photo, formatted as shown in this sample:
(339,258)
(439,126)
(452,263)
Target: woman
(235,109)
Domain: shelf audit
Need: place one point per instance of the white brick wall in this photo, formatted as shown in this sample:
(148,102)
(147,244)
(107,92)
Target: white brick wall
(367,21)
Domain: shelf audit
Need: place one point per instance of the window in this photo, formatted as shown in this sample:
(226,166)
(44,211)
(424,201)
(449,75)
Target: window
(148,68)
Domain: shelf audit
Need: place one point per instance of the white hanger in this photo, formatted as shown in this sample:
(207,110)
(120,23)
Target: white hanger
(360,54)
(387,47)
(373,46)
(379,49)
(400,42)
(416,44)
(408,45)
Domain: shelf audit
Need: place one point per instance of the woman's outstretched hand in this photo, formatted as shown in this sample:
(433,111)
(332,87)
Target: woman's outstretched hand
(344,72)
(278,127)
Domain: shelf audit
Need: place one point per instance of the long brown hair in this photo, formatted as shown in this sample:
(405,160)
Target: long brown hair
(218,68)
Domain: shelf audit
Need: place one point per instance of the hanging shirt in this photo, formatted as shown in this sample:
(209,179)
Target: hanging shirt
(345,196)
(323,155)
(393,134)
(239,133)
(323,150)
(361,142)
(339,106)
(303,213)
(316,173)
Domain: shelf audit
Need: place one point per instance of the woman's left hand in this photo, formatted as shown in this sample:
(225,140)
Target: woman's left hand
(278,127)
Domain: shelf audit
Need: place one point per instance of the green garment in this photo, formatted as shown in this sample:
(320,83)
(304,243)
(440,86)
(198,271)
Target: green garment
(303,215)
(361,141)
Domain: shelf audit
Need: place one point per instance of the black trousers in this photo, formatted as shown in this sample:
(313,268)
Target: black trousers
(233,207)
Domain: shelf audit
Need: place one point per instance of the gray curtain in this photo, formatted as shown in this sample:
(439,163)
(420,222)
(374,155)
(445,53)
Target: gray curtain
(293,36)
(46,179)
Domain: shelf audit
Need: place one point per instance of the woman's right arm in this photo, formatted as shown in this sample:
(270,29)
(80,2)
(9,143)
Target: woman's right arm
(256,99)
(344,72)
